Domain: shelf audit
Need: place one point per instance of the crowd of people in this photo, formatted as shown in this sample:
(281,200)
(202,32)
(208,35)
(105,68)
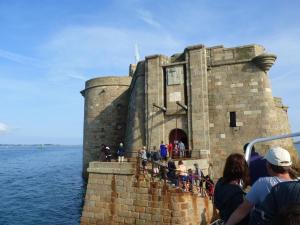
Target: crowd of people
(174,150)
(171,150)
(160,165)
(274,196)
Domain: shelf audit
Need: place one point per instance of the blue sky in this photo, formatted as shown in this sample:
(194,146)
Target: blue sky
(49,48)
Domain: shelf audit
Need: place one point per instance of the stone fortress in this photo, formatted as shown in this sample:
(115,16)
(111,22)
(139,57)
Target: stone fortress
(214,99)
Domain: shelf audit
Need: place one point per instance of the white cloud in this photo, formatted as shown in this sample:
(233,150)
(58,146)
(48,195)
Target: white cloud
(285,44)
(286,75)
(148,18)
(78,77)
(81,52)
(4,128)
(18,58)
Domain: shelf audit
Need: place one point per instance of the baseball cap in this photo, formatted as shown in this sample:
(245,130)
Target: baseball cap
(278,156)
(106,147)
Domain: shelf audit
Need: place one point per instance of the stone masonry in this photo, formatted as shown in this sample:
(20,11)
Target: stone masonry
(117,195)
(214,99)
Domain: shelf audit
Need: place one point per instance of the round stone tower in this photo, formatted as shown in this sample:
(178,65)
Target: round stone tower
(105,114)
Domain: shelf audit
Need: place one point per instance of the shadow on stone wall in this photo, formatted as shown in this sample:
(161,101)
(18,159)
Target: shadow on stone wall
(108,128)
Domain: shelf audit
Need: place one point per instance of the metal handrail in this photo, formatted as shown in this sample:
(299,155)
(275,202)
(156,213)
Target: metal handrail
(250,145)
(217,222)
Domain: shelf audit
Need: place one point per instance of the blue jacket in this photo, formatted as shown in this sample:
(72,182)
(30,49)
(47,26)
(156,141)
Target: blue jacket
(163,150)
(121,151)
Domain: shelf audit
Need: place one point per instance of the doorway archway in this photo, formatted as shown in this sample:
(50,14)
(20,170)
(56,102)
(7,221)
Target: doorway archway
(178,135)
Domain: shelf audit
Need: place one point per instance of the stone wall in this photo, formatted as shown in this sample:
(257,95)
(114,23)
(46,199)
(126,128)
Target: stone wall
(237,84)
(116,195)
(105,114)
(198,110)
(154,94)
(211,83)
(282,127)
(136,128)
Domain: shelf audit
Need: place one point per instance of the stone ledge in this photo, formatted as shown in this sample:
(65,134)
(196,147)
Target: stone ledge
(194,47)
(125,168)
(107,81)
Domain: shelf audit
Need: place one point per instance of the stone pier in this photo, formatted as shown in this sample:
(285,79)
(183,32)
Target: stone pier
(117,194)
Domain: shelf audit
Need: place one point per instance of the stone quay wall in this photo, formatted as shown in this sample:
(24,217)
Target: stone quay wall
(117,195)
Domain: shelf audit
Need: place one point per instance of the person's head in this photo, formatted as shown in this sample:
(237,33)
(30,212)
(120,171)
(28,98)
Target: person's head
(161,142)
(171,164)
(190,171)
(236,168)
(245,147)
(121,144)
(180,162)
(278,161)
(207,177)
(196,165)
(289,215)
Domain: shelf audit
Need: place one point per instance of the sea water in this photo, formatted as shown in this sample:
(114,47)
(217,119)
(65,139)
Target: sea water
(41,185)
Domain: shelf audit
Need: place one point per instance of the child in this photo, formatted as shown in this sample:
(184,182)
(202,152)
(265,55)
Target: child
(209,186)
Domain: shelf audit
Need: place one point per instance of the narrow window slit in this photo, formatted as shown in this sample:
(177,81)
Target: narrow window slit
(232,119)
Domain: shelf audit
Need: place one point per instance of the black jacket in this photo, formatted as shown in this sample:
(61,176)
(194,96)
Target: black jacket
(227,198)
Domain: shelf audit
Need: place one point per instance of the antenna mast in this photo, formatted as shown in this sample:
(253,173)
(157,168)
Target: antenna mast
(136,53)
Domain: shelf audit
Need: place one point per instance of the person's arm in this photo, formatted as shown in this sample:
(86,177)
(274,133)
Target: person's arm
(240,213)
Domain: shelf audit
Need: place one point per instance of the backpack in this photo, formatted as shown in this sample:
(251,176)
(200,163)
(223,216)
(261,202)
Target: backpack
(281,195)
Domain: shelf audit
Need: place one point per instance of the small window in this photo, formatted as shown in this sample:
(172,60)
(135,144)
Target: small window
(232,119)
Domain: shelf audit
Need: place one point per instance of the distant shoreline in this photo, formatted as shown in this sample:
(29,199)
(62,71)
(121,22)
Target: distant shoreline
(40,145)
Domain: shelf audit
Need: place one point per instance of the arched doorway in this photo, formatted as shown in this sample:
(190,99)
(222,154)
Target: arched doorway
(178,135)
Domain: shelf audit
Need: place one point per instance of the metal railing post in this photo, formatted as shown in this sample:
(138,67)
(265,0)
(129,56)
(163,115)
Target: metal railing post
(250,145)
